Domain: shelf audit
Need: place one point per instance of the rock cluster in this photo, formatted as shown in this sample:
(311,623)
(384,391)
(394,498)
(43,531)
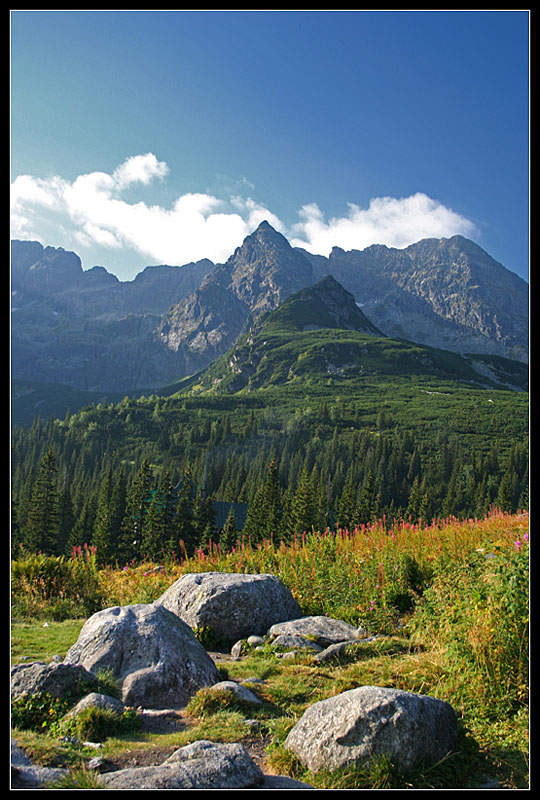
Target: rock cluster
(159,664)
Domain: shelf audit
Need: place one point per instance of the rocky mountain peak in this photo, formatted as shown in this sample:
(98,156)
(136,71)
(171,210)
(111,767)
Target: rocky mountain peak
(326,304)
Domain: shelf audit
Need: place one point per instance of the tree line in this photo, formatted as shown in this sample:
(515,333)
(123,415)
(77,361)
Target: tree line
(135,491)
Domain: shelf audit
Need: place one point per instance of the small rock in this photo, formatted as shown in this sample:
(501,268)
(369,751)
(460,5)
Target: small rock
(255,641)
(94,763)
(332,651)
(58,680)
(236,649)
(241,692)
(321,629)
(201,765)
(96,700)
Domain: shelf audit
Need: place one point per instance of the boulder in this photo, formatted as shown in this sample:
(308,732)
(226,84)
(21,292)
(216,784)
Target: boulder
(96,700)
(359,724)
(59,680)
(201,765)
(320,629)
(156,658)
(233,605)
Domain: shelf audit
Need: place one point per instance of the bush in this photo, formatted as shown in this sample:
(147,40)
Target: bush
(97,724)
(38,711)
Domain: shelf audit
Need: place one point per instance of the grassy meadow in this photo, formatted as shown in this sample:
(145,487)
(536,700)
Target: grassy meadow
(448,601)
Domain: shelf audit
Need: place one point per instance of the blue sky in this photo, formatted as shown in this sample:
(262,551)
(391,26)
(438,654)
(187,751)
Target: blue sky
(151,137)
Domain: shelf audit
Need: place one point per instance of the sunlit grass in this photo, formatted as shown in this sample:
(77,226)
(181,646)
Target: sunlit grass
(449,600)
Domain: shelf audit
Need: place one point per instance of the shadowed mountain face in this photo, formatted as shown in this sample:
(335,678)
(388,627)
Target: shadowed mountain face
(91,331)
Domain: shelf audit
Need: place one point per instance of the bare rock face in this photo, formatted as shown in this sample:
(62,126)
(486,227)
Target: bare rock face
(201,765)
(363,723)
(153,654)
(233,605)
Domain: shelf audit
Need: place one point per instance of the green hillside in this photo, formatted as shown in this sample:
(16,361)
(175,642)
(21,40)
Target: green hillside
(302,428)
(320,338)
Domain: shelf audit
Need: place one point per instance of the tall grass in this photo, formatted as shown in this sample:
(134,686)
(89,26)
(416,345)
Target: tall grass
(460,585)
(55,587)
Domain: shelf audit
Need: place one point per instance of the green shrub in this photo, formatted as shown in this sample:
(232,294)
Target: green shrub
(38,711)
(97,724)
(476,612)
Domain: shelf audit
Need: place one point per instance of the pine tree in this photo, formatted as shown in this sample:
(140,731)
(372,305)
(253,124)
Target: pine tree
(255,523)
(204,518)
(137,502)
(160,519)
(41,531)
(364,507)
(272,500)
(66,519)
(346,506)
(302,516)
(101,538)
(83,529)
(508,492)
(415,498)
(229,533)
(184,529)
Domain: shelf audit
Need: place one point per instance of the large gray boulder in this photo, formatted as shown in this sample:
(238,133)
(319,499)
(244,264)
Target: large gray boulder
(360,724)
(232,605)
(320,629)
(56,679)
(201,765)
(155,657)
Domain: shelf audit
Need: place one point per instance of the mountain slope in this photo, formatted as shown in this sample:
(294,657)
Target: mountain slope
(319,336)
(448,293)
(256,278)
(88,330)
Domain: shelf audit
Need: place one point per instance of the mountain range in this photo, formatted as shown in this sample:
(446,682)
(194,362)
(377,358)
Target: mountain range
(89,331)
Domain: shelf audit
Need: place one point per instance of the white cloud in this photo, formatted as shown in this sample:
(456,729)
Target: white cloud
(139,169)
(196,226)
(201,225)
(388,220)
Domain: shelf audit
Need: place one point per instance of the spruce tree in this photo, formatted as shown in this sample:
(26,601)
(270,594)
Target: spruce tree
(41,530)
(160,520)
(137,502)
(66,519)
(204,518)
(184,529)
(229,533)
(102,527)
(302,515)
